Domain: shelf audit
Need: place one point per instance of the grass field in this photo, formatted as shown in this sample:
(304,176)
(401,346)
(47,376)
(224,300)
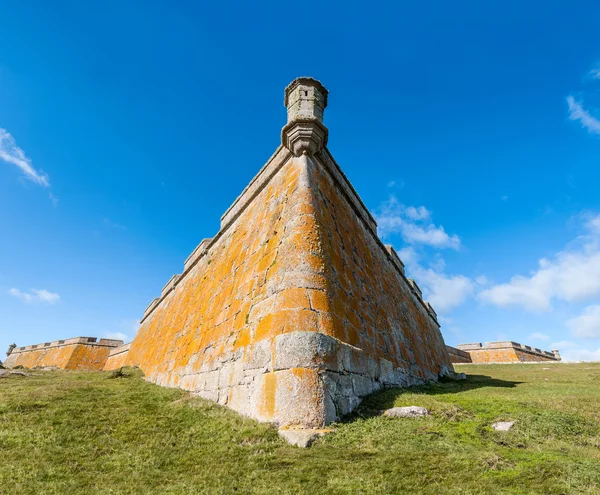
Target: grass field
(86,433)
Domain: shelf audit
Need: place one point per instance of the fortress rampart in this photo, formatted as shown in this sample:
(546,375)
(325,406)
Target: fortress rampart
(117,357)
(79,353)
(504,352)
(295,309)
(458,356)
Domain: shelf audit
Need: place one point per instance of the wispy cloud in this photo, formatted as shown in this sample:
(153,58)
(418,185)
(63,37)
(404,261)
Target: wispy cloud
(585,118)
(113,224)
(586,325)
(445,292)
(35,296)
(538,336)
(125,330)
(414,225)
(10,153)
(580,354)
(595,73)
(570,275)
(116,336)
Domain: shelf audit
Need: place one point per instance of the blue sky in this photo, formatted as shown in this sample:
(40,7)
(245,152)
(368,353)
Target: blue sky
(471,130)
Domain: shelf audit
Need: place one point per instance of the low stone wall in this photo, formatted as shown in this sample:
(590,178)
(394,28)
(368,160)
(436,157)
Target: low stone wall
(458,356)
(117,357)
(506,352)
(79,353)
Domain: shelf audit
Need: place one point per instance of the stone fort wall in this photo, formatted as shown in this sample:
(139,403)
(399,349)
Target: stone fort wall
(79,353)
(458,356)
(295,310)
(117,357)
(506,352)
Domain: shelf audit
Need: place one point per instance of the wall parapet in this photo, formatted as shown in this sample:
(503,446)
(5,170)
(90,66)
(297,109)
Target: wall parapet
(119,350)
(503,345)
(72,341)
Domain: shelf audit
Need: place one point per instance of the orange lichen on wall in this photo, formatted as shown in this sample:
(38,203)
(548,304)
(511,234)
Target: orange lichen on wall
(56,356)
(507,355)
(117,357)
(296,261)
(255,283)
(80,353)
(458,356)
(506,352)
(373,306)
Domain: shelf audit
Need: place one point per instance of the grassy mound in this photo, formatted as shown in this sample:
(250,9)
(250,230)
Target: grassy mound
(86,433)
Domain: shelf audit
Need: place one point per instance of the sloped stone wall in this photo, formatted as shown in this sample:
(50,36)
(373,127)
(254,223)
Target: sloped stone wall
(458,356)
(506,352)
(117,357)
(294,311)
(79,353)
(392,336)
(215,331)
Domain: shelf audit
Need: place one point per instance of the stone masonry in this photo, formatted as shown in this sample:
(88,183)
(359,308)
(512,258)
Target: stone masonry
(502,352)
(294,310)
(79,353)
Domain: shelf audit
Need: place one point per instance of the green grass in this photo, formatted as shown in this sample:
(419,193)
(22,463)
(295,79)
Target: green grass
(85,433)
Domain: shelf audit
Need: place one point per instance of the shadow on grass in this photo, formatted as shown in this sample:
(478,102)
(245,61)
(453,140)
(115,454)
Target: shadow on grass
(374,404)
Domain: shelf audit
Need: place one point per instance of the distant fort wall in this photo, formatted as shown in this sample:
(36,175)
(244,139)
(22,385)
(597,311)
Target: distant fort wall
(458,356)
(506,352)
(117,357)
(79,353)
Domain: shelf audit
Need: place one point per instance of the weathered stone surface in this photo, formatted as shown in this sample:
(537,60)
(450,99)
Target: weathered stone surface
(406,412)
(503,352)
(7,373)
(78,353)
(302,438)
(503,425)
(294,310)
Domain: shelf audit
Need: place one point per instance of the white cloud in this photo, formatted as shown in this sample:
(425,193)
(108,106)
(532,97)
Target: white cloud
(581,355)
(595,73)
(125,330)
(504,198)
(419,213)
(413,224)
(578,113)
(444,292)
(587,325)
(35,295)
(563,344)
(116,336)
(11,153)
(571,275)
(538,336)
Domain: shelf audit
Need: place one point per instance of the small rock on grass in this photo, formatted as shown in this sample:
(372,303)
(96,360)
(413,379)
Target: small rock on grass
(406,412)
(302,438)
(503,425)
(7,373)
